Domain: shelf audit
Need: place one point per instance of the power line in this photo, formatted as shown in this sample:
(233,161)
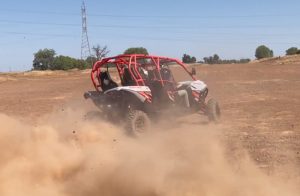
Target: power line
(40,34)
(25,40)
(150,38)
(149,16)
(38,23)
(148,26)
(196,34)
(190,16)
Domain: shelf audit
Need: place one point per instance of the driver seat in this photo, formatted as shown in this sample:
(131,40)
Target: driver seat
(127,78)
(106,82)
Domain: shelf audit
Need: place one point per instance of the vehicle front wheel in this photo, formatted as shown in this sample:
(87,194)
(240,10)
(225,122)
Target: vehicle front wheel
(138,122)
(213,110)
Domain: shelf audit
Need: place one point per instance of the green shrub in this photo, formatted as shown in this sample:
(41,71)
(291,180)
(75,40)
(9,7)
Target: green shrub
(292,51)
(65,62)
(263,52)
(90,61)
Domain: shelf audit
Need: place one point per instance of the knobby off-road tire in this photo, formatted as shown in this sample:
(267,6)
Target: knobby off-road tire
(138,122)
(213,110)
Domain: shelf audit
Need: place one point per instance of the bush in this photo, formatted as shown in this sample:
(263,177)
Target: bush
(90,61)
(45,59)
(245,60)
(138,50)
(263,52)
(292,51)
(66,62)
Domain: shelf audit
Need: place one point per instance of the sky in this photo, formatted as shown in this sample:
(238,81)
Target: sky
(230,28)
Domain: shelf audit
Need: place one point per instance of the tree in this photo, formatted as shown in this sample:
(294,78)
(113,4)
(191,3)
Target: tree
(292,51)
(193,59)
(206,59)
(185,58)
(100,52)
(188,59)
(138,50)
(43,59)
(263,52)
(216,58)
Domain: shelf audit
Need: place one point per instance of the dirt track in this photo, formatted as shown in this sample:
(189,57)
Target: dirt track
(260,104)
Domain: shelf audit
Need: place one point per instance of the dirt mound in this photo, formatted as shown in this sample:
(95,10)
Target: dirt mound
(7,78)
(285,60)
(44,73)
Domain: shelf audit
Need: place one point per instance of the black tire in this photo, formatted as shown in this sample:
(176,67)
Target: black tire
(213,110)
(138,122)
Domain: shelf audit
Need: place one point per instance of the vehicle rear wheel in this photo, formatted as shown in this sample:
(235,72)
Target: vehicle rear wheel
(213,110)
(138,122)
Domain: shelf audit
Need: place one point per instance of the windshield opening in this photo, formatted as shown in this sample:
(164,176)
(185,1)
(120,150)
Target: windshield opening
(178,72)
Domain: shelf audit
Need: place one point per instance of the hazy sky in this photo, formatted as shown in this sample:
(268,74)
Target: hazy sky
(230,28)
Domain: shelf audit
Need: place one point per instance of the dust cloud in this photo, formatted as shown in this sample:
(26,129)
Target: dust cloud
(66,155)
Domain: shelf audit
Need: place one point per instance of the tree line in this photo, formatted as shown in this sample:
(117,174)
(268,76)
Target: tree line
(265,52)
(261,52)
(47,59)
(214,59)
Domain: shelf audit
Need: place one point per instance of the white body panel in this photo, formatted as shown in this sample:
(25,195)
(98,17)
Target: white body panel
(131,88)
(195,85)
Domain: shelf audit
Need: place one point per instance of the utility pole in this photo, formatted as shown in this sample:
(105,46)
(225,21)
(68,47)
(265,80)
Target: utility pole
(85,45)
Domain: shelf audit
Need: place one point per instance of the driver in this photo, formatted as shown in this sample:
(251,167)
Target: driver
(144,72)
(166,75)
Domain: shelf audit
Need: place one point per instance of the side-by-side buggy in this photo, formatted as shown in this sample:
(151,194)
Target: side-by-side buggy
(141,88)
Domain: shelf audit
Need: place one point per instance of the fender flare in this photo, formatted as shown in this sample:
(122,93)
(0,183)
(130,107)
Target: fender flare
(140,97)
(127,94)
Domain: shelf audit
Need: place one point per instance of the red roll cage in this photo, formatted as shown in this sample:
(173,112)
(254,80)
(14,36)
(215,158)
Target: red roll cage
(132,62)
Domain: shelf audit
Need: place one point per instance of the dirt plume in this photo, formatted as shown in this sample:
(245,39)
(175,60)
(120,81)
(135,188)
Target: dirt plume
(67,155)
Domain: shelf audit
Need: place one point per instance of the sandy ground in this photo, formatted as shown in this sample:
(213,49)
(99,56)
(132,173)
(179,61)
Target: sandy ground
(261,102)
(260,105)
